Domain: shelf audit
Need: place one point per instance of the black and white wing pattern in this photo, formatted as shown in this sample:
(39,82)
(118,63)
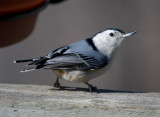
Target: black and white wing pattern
(82,55)
(74,61)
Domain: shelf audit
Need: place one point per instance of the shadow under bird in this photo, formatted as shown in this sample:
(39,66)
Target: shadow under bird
(82,60)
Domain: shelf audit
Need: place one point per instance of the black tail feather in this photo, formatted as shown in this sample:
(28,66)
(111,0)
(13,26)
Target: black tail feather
(33,63)
(22,61)
(41,60)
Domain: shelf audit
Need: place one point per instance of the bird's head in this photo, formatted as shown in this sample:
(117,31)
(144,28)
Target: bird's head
(106,41)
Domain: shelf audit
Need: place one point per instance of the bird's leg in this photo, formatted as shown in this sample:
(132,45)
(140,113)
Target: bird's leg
(57,84)
(91,88)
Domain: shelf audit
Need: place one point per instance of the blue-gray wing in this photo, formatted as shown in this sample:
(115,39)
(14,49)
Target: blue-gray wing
(82,55)
(64,61)
(74,61)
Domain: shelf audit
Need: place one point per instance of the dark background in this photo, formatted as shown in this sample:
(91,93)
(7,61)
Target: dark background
(136,65)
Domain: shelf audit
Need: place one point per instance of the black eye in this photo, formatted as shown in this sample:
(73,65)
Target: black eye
(111,34)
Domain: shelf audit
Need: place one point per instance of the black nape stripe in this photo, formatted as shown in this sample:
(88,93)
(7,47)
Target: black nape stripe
(121,31)
(90,42)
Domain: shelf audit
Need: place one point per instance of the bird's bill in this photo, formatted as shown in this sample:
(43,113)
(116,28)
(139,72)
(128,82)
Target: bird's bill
(129,34)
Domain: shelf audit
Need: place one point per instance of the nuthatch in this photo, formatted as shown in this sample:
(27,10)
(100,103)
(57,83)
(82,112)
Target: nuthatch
(82,60)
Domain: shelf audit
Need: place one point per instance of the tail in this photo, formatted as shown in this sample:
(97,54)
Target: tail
(23,61)
(27,69)
(33,63)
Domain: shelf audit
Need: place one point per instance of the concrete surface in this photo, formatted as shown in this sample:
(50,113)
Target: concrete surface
(42,101)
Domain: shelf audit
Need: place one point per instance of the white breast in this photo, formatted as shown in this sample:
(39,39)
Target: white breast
(79,76)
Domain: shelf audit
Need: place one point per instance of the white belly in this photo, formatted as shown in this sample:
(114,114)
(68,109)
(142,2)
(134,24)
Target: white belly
(79,76)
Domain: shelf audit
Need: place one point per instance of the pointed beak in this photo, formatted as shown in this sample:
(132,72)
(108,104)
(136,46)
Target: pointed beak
(129,34)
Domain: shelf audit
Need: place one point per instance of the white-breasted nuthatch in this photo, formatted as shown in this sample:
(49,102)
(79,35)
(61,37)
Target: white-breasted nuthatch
(82,60)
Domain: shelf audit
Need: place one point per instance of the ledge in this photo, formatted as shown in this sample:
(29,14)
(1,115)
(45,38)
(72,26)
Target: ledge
(40,101)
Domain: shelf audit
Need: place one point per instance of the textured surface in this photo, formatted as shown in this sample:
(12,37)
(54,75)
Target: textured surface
(37,100)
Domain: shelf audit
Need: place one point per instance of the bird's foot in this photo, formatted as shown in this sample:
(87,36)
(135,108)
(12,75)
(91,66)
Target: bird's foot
(91,88)
(57,84)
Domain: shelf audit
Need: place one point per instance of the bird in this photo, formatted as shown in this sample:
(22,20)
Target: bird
(81,61)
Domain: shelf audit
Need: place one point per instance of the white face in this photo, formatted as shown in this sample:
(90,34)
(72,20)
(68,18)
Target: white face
(112,37)
(108,40)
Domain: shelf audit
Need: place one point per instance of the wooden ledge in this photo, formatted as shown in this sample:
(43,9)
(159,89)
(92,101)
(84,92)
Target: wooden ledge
(39,101)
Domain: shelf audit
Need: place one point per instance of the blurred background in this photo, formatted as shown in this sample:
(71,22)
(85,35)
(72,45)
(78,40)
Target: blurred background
(136,65)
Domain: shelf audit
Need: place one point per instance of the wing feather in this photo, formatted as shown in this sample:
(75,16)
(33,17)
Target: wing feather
(74,61)
(66,58)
